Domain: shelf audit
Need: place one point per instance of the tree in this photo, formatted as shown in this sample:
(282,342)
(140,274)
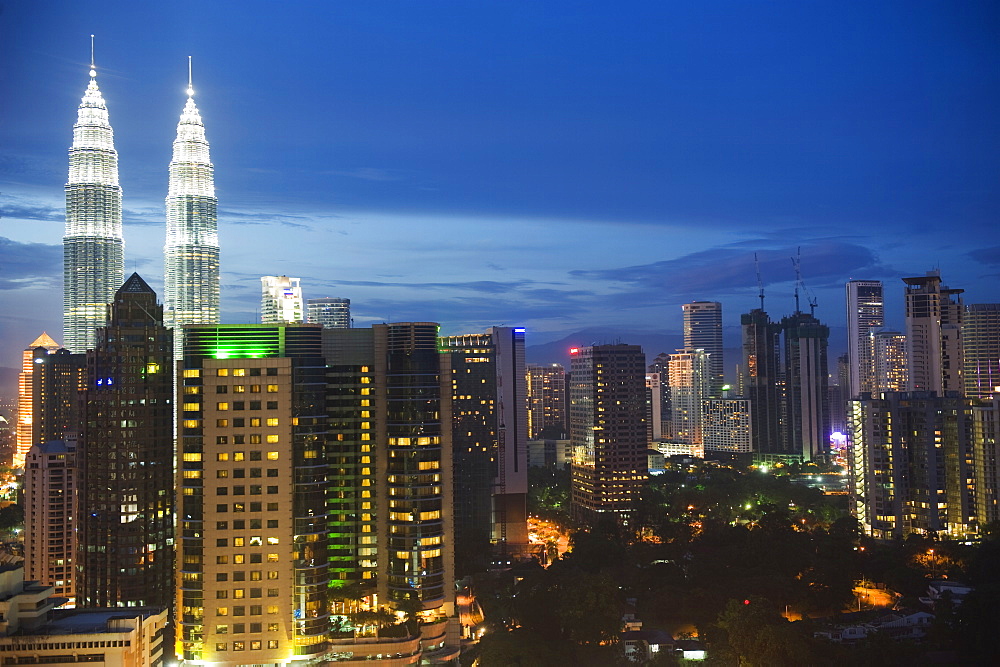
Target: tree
(755,635)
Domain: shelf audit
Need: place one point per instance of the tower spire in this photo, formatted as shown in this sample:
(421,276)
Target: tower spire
(93,68)
(190,90)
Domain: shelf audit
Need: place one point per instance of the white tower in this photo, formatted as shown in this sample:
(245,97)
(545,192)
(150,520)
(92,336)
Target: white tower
(93,249)
(191,253)
(280,300)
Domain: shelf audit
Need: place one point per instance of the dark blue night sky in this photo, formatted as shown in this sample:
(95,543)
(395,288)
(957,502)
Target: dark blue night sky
(557,165)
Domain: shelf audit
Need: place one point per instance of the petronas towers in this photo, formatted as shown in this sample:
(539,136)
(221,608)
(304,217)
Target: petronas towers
(93,247)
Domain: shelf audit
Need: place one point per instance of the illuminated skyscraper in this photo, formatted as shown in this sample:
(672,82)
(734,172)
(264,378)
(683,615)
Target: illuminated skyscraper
(546,386)
(807,409)
(981,348)
(93,249)
(25,395)
(331,312)
(608,429)
(280,300)
(703,330)
(890,362)
(689,379)
(191,253)
(865,316)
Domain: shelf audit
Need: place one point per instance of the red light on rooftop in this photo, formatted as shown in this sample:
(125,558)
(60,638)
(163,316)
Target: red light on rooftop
(746,602)
(574,350)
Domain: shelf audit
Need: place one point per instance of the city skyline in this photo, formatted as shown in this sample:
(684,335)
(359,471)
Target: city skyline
(657,160)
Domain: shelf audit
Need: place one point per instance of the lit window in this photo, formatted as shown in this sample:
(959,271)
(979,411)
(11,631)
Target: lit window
(192,423)
(239,372)
(272,421)
(192,372)
(222,406)
(272,456)
(272,389)
(272,558)
(272,439)
(222,372)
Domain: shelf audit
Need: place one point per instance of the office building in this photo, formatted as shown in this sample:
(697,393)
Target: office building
(981,349)
(689,377)
(331,312)
(912,465)
(93,247)
(50,513)
(703,330)
(608,429)
(727,426)
(933,335)
(281,300)
(31,634)
(763,381)
(24,426)
(126,454)
(252,568)
(807,410)
(191,251)
(890,362)
(546,387)
(865,316)
(489,441)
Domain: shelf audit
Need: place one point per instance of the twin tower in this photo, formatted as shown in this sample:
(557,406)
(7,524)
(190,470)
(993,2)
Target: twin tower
(93,246)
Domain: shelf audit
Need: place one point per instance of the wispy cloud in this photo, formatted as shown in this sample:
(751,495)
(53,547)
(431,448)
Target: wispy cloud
(28,263)
(369,174)
(989,256)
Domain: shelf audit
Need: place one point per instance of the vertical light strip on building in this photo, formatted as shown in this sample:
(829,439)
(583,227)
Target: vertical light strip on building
(93,249)
(191,253)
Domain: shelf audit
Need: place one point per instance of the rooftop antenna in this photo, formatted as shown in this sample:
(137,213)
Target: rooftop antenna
(760,283)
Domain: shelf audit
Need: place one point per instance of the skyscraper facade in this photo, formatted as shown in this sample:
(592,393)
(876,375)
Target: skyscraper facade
(50,516)
(807,409)
(703,330)
(689,378)
(93,247)
(23,432)
(252,561)
(607,429)
(191,252)
(126,453)
(912,464)
(331,312)
(763,381)
(281,300)
(726,426)
(865,316)
(981,349)
(890,362)
(934,315)
(489,440)
(546,387)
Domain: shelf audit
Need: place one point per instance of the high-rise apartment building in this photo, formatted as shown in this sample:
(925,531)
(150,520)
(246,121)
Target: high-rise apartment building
(689,377)
(126,453)
(252,563)
(546,387)
(986,459)
(50,514)
(654,407)
(726,426)
(933,335)
(703,330)
(763,381)
(331,312)
(807,410)
(489,440)
(981,349)
(24,426)
(93,248)
(191,251)
(890,362)
(865,316)
(391,492)
(912,464)
(607,429)
(281,300)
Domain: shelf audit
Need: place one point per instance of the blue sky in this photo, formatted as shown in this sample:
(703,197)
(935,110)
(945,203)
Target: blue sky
(549,164)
